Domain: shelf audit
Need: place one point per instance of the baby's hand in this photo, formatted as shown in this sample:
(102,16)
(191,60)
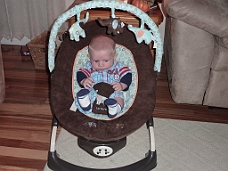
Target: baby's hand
(117,86)
(87,82)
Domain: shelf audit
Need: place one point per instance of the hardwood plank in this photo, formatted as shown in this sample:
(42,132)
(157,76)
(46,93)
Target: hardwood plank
(23,123)
(29,109)
(28,135)
(23,153)
(23,163)
(24,144)
(13,168)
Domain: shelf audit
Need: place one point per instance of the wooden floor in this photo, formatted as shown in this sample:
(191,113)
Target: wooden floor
(25,117)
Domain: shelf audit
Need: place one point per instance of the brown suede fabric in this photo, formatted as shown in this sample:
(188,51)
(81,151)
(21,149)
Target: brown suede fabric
(104,89)
(100,130)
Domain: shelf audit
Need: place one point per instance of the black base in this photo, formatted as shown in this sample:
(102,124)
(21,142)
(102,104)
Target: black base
(101,149)
(146,164)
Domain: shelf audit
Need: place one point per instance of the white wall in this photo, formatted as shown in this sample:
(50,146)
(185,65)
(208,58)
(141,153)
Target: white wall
(25,40)
(15,41)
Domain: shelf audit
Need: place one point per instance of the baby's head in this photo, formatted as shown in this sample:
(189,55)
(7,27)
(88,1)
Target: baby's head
(102,52)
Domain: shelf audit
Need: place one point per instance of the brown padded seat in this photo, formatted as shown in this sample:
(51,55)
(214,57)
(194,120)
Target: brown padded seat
(99,130)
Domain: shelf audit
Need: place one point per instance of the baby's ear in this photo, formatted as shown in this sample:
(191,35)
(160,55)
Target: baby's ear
(88,55)
(116,54)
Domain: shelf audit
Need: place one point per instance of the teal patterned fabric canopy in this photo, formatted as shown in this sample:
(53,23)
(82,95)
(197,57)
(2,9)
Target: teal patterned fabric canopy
(141,34)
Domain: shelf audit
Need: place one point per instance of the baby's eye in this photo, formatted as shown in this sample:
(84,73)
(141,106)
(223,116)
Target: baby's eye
(96,61)
(106,60)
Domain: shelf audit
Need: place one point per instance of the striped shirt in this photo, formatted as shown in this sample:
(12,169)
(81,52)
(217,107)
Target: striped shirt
(117,73)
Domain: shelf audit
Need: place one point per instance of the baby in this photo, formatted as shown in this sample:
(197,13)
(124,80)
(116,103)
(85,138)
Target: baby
(103,67)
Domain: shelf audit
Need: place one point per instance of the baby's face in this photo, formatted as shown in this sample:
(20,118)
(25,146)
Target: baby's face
(102,59)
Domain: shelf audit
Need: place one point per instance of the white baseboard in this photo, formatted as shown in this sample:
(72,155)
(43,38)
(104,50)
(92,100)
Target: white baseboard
(15,41)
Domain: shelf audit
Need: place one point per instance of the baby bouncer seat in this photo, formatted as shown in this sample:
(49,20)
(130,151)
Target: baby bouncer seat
(98,134)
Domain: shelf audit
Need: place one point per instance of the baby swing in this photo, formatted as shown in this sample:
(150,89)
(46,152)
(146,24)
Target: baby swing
(98,134)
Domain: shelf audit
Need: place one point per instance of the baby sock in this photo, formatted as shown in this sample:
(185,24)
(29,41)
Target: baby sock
(83,99)
(113,107)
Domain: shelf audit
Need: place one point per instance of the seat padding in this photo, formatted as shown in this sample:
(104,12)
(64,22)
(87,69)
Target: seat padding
(61,89)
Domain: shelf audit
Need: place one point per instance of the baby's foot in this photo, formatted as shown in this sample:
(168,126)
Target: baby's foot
(83,99)
(113,107)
